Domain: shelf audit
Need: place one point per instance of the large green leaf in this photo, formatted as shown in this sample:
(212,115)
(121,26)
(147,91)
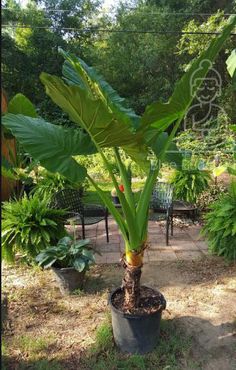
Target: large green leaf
(20,104)
(231,63)
(161,115)
(90,114)
(96,118)
(76,71)
(52,145)
(231,66)
(157,142)
(7,169)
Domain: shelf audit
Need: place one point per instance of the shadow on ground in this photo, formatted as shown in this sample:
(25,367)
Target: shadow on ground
(177,349)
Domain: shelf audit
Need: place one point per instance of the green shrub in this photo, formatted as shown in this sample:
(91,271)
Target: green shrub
(189,184)
(96,169)
(48,183)
(218,141)
(220,227)
(28,226)
(210,195)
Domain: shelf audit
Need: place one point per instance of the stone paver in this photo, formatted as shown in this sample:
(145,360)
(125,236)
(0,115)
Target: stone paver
(185,244)
(189,255)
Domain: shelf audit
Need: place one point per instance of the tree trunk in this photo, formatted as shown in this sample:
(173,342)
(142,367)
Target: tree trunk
(131,285)
(133,263)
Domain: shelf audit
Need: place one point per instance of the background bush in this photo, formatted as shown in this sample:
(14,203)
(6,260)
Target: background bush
(210,195)
(189,183)
(47,184)
(29,226)
(220,227)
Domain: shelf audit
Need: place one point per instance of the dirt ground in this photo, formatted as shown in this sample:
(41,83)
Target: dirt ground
(200,295)
(201,298)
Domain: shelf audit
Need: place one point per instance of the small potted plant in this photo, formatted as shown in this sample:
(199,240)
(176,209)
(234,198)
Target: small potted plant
(69,260)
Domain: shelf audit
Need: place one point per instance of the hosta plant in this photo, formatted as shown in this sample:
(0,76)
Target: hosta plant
(29,226)
(220,227)
(67,253)
(104,121)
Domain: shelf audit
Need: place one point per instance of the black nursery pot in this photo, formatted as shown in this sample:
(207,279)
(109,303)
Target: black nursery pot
(136,333)
(69,279)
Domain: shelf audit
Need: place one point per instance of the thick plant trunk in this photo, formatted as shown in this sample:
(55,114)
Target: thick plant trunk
(133,263)
(131,285)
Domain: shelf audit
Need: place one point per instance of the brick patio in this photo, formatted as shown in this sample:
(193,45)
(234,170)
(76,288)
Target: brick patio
(185,244)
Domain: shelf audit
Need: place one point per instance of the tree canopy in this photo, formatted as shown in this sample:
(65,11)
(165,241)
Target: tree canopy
(138,47)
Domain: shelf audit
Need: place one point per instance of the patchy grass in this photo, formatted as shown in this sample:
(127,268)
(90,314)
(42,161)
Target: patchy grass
(34,345)
(172,352)
(48,331)
(104,339)
(33,351)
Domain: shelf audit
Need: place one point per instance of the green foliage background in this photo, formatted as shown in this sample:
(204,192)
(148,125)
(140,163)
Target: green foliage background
(220,227)
(137,65)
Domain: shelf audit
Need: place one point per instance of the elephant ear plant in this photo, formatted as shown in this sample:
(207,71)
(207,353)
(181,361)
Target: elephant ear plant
(104,122)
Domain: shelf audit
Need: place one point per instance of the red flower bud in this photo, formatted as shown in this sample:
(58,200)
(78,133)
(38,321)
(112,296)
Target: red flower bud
(121,187)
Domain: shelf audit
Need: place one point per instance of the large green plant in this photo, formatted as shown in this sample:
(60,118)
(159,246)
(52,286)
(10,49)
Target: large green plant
(104,122)
(19,165)
(28,226)
(220,227)
(190,183)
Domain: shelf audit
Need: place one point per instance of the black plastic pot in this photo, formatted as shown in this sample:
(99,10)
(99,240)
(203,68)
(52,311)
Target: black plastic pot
(69,279)
(136,333)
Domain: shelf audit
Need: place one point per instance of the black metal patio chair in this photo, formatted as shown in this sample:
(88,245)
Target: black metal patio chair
(162,205)
(79,213)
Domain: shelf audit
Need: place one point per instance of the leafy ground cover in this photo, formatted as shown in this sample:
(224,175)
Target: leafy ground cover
(45,331)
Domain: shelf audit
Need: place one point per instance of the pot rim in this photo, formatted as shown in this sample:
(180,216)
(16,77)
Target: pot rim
(135,316)
(66,269)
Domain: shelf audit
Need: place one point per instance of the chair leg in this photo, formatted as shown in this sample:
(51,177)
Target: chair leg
(167,231)
(83,229)
(171,226)
(106,226)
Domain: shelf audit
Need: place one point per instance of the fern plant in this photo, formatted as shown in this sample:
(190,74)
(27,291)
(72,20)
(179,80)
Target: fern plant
(190,183)
(220,227)
(29,226)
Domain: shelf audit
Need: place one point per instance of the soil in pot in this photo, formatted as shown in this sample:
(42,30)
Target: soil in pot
(137,331)
(69,279)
